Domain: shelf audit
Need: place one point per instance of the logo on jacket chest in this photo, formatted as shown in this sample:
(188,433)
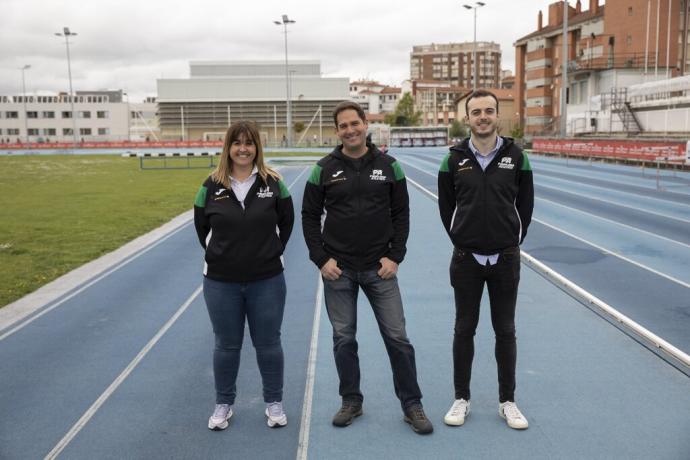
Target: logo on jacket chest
(264,192)
(377,174)
(506,163)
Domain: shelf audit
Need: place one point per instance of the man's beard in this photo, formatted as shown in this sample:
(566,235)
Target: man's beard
(484,135)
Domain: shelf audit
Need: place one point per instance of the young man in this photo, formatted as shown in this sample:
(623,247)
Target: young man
(485,196)
(364,194)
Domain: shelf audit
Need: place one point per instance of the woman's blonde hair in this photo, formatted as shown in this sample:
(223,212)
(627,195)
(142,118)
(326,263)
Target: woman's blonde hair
(248,129)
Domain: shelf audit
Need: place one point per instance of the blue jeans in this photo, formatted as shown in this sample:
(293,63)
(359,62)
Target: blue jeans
(262,304)
(385,300)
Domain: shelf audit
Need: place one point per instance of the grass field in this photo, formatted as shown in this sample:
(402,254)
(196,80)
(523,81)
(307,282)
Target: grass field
(59,211)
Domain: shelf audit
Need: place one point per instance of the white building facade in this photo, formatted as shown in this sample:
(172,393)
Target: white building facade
(99,116)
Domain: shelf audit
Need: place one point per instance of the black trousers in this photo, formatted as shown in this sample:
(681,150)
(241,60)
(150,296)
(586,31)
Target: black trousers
(467,277)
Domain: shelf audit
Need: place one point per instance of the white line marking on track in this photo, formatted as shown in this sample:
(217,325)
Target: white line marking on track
(601,248)
(91,411)
(303,446)
(632,194)
(580,293)
(297,178)
(614,222)
(91,283)
(615,254)
(589,197)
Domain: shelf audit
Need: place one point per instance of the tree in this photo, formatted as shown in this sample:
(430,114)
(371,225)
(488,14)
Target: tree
(517,132)
(457,130)
(405,114)
(299,127)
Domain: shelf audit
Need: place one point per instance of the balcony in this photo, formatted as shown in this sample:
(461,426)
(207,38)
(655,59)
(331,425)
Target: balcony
(587,63)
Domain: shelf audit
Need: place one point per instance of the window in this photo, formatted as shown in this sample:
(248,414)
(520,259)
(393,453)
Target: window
(132,114)
(630,11)
(67,114)
(628,40)
(13,131)
(48,114)
(85,114)
(102,114)
(103,131)
(49,132)
(11,114)
(85,131)
(31,114)
(33,131)
(67,131)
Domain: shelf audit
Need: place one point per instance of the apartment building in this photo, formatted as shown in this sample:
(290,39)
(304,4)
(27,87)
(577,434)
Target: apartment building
(452,63)
(609,48)
(98,116)
(374,97)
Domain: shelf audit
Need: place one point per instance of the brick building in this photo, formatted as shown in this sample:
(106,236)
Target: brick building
(452,63)
(610,47)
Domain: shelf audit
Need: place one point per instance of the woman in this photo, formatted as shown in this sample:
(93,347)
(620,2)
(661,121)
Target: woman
(236,214)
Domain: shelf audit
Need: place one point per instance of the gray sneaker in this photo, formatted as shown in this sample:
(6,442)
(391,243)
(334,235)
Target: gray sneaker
(415,416)
(275,414)
(347,413)
(219,420)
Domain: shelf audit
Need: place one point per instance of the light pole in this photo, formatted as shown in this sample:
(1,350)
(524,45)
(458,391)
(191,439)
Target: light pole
(284,22)
(67,34)
(564,73)
(474,42)
(26,121)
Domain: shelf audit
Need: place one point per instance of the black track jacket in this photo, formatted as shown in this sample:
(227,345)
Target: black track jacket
(367,210)
(244,245)
(485,212)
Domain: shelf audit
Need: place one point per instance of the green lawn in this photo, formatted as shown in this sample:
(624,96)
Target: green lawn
(59,211)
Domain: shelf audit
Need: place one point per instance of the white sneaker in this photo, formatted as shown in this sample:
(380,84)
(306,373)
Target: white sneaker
(457,413)
(510,412)
(219,420)
(275,414)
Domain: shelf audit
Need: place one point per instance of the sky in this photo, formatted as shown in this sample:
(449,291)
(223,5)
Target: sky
(127,44)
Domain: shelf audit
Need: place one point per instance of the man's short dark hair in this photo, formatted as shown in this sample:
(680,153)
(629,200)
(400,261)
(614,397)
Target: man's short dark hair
(348,105)
(479,93)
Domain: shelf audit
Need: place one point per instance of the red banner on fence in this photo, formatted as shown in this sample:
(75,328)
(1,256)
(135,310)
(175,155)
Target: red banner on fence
(111,145)
(638,150)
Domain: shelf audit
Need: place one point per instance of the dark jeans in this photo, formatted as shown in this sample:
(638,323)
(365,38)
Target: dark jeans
(261,303)
(467,278)
(385,300)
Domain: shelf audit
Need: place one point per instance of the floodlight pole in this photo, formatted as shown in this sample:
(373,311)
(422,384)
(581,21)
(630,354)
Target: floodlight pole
(26,121)
(288,116)
(67,34)
(474,44)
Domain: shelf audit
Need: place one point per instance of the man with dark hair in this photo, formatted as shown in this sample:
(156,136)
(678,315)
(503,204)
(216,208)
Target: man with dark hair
(485,197)
(364,194)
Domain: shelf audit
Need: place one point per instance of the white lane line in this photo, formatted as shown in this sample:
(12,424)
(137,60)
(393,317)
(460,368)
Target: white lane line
(649,185)
(418,168)
(615,254)
(614,222)
(297,178)
(589,299)
(632,195)
(601,248)
(305,424)
(91,411)
(90,283)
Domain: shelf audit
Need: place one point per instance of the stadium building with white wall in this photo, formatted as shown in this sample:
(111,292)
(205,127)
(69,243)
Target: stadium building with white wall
(219,92)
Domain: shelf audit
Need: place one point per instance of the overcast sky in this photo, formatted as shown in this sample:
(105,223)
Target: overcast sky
(128,44)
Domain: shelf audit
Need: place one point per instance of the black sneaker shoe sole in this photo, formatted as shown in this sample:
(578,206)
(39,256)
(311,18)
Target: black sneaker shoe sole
(417,430)
(349,421)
